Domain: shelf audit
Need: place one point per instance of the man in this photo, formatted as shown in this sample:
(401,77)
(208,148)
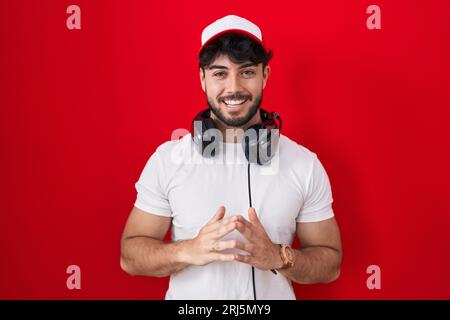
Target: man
(230,240)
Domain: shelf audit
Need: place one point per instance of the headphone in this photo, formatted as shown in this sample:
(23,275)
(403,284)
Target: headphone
(257,144)
(258,141)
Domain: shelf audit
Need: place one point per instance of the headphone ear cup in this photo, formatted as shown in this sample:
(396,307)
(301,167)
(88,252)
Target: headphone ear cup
(265,153)
(260,141)
(260,147)
(202,136)
(251,143)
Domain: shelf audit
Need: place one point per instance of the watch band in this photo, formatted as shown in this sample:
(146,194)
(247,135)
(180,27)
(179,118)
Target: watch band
(288,258)
(287,262)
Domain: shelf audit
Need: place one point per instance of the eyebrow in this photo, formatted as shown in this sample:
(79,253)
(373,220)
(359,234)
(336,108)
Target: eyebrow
(245,65)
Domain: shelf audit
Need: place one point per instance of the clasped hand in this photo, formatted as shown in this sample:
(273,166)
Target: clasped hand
(208,245)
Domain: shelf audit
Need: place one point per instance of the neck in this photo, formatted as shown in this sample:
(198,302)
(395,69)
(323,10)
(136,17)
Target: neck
(234,134)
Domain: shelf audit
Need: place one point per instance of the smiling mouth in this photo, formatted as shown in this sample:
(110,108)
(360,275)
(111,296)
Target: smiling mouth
(234,103)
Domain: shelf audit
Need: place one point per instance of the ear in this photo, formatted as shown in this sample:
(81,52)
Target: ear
(202,79)
(266,73)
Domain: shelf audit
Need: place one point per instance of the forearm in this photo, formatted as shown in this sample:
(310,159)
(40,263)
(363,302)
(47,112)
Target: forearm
(314,265)
(151,257)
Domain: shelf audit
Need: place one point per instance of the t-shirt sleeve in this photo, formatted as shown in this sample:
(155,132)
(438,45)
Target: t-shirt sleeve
(317,204)
(151,191)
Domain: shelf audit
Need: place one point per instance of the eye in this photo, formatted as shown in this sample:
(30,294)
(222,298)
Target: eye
(248,73)
(219,74)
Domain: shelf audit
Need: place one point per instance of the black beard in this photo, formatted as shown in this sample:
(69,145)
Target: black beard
(239,122)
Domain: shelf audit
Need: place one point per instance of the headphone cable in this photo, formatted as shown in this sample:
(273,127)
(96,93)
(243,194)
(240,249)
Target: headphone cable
(250,204)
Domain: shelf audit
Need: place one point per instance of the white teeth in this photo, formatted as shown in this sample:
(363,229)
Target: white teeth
(234,102)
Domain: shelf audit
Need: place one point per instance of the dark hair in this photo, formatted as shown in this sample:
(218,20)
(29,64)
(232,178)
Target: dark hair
(238,47)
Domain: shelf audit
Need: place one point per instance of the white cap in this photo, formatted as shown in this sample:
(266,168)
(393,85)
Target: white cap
(231,23)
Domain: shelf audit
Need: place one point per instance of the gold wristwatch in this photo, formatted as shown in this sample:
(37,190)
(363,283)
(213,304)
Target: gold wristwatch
(287,256)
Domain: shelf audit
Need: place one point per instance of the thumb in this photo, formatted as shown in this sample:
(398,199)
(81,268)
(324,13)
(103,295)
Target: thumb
(219,215)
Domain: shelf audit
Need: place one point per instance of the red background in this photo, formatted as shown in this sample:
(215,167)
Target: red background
(82,110)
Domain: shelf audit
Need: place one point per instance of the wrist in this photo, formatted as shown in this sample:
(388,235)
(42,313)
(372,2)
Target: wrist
(182,251)
(277,260)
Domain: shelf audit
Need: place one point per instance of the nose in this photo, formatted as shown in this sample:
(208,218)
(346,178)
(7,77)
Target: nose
(233,84)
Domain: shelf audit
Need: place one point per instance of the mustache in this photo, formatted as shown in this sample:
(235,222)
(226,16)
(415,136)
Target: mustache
(236,96)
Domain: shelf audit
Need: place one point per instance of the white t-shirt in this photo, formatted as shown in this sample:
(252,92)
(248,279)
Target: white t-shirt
(178,182)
